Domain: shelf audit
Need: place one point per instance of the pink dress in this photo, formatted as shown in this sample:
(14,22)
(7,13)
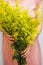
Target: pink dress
(32,59)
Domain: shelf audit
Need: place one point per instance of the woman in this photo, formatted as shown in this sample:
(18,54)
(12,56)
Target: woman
(32,52)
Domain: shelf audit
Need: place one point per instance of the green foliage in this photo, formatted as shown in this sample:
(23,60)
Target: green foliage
(21,61)
(17,22)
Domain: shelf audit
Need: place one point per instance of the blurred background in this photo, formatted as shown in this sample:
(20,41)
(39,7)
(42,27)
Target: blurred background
(41,42)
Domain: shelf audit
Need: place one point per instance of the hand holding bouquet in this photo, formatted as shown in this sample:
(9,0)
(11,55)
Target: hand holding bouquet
(17,22)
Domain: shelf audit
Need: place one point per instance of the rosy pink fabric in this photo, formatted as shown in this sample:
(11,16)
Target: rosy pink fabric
(32,59)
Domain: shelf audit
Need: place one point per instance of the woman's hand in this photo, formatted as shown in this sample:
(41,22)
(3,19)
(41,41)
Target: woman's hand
(10,38)
(28,50)
(24,53)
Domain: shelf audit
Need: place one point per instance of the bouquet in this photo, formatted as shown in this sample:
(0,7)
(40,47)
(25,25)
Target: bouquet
(17,22)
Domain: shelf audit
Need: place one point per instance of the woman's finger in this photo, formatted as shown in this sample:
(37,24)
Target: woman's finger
(24,56)
(29,47)
(9,36)
(26,53)
(11,39)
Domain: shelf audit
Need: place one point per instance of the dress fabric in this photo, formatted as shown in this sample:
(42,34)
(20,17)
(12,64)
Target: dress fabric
(34,58)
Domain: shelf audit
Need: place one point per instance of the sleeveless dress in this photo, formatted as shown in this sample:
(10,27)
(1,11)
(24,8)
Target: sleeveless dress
(32,59)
